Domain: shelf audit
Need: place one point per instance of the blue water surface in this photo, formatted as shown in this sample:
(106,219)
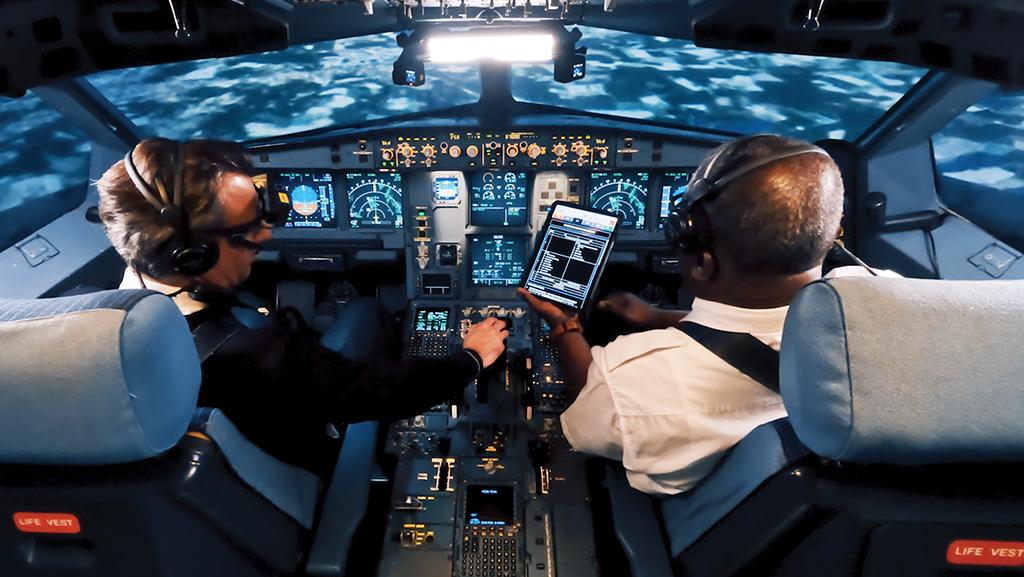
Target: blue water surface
(348,81)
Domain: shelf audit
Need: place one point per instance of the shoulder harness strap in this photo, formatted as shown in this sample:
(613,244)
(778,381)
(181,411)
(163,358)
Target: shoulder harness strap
(742,351)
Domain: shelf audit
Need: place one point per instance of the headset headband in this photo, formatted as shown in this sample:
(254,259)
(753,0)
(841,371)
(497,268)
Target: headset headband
(701,187)
(169,208)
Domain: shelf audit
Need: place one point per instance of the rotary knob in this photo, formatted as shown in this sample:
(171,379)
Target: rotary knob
(405,151)
(512,151)
(454,151)
(533,151)
(428,150)
(580,148)
(387,154)
(559,149)
(472,151)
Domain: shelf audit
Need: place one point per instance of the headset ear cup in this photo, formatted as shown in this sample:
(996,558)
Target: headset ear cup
(196,258)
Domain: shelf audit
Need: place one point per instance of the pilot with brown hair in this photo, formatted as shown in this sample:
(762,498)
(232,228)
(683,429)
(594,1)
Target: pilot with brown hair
(189,220)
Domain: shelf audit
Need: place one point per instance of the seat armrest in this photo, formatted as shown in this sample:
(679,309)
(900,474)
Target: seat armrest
(345,503)
(636,526)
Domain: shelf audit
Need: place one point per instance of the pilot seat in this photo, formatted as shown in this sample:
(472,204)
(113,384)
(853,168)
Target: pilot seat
(903,453)
(108,469)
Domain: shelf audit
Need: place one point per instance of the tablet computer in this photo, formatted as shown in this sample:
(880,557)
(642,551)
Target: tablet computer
(570,256)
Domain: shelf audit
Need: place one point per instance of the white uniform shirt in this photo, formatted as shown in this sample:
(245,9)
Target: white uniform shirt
(667,407)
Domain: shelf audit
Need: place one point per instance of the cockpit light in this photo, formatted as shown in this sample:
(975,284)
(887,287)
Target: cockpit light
(503,47)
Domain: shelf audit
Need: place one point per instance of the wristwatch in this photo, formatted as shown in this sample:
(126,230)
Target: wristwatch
(570,325)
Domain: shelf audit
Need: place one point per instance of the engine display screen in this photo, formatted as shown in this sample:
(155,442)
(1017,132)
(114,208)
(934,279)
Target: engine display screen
(623,194)
(673,187)
(312,197)
(374,200)
(492,506)
(499,198)
(432,320)
(496,259)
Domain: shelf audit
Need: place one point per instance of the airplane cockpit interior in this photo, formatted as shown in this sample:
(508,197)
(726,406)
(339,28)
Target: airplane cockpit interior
(419,147)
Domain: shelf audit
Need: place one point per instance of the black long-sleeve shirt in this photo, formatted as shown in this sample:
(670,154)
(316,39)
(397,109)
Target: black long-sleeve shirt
(281,387)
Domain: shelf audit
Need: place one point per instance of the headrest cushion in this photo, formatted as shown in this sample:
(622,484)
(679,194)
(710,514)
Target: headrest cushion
(100,378)
(906,371)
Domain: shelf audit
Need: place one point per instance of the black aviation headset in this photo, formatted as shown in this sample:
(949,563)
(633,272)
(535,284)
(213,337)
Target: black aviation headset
(192,253)
(689,230)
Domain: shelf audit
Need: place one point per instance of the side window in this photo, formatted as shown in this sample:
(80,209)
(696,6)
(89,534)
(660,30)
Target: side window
(43,167)
(979,162)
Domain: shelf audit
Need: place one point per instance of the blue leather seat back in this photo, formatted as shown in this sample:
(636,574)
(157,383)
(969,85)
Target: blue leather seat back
(101,378)
(906,371)
(761,454)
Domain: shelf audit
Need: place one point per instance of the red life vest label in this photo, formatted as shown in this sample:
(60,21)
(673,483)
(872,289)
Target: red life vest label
(47,523)
(988,553)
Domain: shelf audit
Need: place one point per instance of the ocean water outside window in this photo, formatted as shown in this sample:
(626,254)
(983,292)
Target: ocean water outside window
(43,167)
(979,160)
(673,81)
(305,87)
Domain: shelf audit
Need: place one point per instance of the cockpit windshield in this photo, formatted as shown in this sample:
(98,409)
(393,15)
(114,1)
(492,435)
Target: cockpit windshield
(674,81)
(305,87)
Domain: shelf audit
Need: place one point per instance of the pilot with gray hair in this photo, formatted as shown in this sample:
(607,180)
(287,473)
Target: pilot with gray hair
(188,219)
(753,228)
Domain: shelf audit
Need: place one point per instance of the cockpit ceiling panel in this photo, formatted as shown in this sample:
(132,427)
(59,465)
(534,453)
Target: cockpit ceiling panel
(42,42)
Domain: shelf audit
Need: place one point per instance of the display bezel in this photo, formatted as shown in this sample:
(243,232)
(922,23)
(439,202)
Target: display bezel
(527,180)
(626,173)
(275,180)
(397,176)
(468,258)
(662,177)
(592,289)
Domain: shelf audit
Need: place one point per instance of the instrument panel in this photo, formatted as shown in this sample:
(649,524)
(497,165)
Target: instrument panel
(376,201)
(462,209)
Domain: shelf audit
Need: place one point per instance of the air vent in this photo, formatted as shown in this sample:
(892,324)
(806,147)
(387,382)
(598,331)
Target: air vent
(47,30)
(991,67)
(59,62)
(935,54)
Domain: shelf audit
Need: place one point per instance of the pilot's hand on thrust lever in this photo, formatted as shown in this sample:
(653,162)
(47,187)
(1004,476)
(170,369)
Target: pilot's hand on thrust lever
(487,339)
(547,310)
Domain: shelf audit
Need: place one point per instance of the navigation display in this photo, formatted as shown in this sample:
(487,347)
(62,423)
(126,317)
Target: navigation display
(490,505)
(312,197)
(374,200)
(496,259)
(623,194)
(673,187)
(571,255)
(499,198)
(431,320)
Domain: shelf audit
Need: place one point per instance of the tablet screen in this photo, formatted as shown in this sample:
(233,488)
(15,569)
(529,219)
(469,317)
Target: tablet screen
(571,254)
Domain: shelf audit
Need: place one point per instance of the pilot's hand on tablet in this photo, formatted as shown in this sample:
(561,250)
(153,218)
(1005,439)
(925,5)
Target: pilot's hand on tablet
(487,339)
(547,310)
